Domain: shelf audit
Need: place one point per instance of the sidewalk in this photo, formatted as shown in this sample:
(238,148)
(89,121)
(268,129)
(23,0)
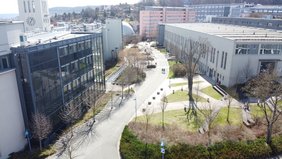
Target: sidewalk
(156,104)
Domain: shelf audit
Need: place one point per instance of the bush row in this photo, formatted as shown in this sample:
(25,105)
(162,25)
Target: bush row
(132,148)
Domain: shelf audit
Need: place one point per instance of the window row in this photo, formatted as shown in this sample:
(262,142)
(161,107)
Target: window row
(254,49)
(270,49)
(80,46)
(29,7)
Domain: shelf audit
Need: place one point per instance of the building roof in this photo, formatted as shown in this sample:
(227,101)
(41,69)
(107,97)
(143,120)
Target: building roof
(10,22)
(49,37)
(233,32)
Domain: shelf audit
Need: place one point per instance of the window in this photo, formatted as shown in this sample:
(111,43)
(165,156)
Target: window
(28,5)
(270,49)
(222,57)
(63,51)
(225,60)
(24,6)
(33,6)
(72,48)
(246,49)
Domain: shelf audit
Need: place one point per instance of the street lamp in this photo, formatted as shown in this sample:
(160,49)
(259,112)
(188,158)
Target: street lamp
(135,107)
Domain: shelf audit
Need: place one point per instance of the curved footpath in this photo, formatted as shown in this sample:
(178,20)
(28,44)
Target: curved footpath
(105,143)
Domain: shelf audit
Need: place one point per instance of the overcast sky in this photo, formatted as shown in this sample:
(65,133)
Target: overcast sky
(11,6)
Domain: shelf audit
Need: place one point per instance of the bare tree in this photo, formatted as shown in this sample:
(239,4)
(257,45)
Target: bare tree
(210,114)
(229,101)
(148,114)
(41,126)
(192,51)
(163,107)
(70,114)
(268,90)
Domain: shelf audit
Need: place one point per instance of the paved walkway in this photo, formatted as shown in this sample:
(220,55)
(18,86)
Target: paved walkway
(166,90)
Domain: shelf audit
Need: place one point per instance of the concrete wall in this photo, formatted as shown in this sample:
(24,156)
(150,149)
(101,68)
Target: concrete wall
(112,39)
(220,45)
(10,35)
(11,119)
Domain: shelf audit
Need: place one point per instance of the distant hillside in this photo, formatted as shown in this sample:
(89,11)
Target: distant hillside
(62,10)
(8,16)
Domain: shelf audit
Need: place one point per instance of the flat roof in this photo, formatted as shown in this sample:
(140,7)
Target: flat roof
(49,37)
(233,32)
(3,22)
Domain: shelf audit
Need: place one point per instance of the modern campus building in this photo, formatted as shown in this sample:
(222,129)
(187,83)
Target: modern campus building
(235,53)
(58,69)
(11,117)
(205,11)
(112,39)
(152,16)
(251,22)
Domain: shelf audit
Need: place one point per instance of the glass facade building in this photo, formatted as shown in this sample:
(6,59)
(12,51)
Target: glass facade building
(54,74)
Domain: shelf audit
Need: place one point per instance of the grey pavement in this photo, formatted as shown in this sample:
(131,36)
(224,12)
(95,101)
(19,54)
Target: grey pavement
(105,143)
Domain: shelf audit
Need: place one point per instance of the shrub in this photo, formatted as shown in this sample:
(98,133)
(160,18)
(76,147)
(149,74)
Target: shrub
(132,147)
(179,70)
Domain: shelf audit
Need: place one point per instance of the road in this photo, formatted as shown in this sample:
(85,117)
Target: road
(105,144)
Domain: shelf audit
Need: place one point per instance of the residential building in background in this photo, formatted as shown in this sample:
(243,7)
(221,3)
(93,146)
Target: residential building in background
(235,53)
(35,15)
(57,70)
(251,22)
(12,125)
(152,16)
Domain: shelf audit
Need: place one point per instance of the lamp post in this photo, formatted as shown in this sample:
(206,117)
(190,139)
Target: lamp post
(135,108)
(27,136)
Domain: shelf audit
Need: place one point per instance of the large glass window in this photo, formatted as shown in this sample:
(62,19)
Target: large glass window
(72,48)
(63,50)
(270,49)
(246,49)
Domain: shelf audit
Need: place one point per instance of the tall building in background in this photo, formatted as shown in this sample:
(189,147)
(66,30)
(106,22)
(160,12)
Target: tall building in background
(206,11)
(34,14)
(152,16)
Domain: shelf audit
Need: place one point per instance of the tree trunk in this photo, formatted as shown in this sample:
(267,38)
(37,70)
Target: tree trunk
(40,145)
(228,112)
(190,89)
(122,91)
(269,134)
(163,120)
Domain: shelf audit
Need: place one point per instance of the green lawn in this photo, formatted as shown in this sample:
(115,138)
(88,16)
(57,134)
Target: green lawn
(171,63)
(163,51)
(235,116)
(211,92)
(183,83)
(111,70)
(179,118)
(179,96)
(174,117)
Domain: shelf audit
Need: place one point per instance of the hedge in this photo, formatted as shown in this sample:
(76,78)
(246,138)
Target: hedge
(132,148)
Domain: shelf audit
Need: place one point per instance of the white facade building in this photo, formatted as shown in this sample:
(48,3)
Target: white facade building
(11,117)
(235,53)
(34,14)
(112,39)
